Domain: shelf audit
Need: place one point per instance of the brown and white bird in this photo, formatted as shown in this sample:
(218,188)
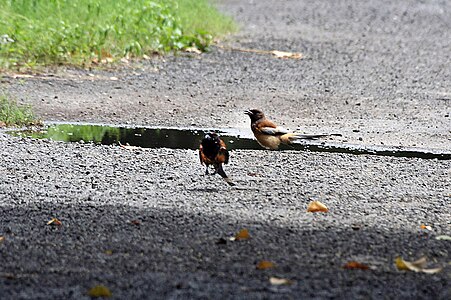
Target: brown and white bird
(213,152)
(269,135)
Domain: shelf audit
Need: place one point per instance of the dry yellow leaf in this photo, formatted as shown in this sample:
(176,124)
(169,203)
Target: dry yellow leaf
(265,264)
(415,266)
(99,291)
(316,206)
(275,53)
(193,50)
(283,54)
(2,238)
(54,221)
(108,252)
(280,281)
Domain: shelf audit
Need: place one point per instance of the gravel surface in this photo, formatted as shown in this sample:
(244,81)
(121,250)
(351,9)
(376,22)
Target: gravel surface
(376,207)
(148,224)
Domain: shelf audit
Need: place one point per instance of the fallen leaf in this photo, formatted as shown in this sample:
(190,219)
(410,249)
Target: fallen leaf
(443,238)
(193,50)
(99,291)
(109,252)
(265,264)
(243,234)
(416,266)
(2,238)
(422,226)
(316,206)
(419,264)
(355,265)
(283,54)
(280,281)
(2,124)
(275,53)
(54,221)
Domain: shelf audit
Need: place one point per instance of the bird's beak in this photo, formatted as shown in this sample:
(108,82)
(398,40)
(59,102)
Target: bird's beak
(248,112)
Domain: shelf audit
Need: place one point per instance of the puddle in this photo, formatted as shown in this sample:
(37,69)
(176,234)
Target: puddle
(188,138)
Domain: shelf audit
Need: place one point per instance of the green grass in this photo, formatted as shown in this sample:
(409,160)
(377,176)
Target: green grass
(201,16)
(13,114)
(49,32)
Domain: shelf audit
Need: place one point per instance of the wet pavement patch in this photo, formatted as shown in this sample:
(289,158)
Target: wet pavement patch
(189,138)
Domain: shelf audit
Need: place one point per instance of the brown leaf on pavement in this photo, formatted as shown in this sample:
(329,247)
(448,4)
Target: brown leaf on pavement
(243,234)
(54,221)
(316,206)
(265,264)
(423,226)
(355,265)
(99,291)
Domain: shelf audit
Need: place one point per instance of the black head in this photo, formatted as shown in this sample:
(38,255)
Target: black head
(211,144)
(255,114)
(211,137)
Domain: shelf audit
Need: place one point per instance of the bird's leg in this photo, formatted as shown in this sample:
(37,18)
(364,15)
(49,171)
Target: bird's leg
(221,172)
(206,171)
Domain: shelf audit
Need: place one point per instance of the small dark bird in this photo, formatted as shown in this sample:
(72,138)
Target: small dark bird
(213,151)
(269,135)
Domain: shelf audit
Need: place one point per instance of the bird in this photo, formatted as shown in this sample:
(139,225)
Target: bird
(270,136)
(213,151)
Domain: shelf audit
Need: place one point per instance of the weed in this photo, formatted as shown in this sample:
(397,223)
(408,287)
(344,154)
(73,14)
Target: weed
(13,114)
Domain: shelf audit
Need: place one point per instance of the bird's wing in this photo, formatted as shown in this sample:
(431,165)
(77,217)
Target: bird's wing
(273,131)
(223,156)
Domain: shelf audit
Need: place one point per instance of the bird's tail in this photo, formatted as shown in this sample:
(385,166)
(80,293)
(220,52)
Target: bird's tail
(290,137)
(221,172)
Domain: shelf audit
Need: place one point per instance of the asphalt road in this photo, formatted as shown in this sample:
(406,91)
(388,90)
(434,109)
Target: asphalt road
(148,224)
